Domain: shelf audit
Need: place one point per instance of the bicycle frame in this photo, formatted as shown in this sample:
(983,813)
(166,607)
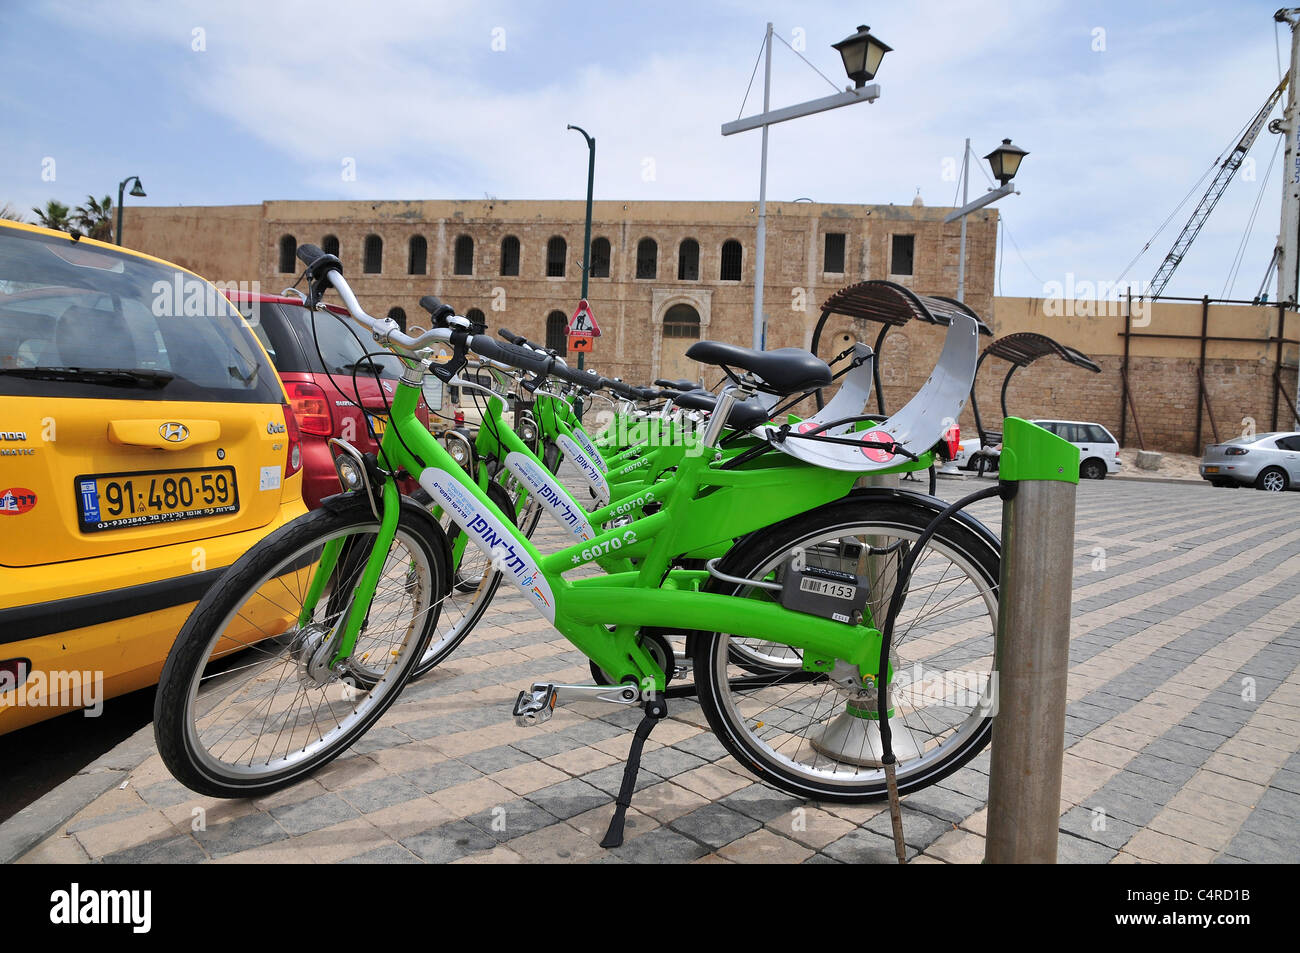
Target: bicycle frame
(741,500)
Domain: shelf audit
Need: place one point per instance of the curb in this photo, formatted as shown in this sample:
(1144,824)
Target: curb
(56,807)
(1176,481)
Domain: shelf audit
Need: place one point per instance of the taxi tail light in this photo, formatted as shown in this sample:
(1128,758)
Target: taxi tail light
(293,455)
(311,407)
(13,673)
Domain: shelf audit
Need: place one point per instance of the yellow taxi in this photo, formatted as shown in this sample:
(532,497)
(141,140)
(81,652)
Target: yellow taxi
(146,442)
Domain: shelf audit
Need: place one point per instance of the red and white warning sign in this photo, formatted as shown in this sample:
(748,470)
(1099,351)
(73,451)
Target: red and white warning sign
(583,323)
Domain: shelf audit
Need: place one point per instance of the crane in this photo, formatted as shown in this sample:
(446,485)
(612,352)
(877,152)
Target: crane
(1227,169)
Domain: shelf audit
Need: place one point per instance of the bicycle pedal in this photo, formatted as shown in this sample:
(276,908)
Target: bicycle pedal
(535,707)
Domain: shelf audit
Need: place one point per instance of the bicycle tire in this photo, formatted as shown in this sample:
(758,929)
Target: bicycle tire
(780,744)
(248,623)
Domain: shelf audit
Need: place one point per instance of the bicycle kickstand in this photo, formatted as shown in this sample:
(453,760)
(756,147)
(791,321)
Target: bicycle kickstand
(655,710)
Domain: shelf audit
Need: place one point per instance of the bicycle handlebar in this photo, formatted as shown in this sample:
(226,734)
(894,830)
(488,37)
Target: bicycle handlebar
(389,332)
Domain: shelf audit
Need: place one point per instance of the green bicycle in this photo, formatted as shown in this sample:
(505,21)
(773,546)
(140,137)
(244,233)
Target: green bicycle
(311,635)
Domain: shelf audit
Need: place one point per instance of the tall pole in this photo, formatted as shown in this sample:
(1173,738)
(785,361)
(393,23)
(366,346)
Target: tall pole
(1290,231)
(965,199)
(121,190)
(586,237)
(760,245)
(1288,251)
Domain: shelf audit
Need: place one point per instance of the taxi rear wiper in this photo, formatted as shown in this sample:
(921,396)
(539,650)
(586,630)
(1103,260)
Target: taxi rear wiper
(110,376)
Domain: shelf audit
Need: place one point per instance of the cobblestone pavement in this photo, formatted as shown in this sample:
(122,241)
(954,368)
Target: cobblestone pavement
(1182,734)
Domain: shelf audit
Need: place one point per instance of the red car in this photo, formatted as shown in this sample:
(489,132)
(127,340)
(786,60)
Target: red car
(320,382)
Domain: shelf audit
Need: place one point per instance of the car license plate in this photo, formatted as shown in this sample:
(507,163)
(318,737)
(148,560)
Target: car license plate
(379,424)
(1211,469)
(123,500)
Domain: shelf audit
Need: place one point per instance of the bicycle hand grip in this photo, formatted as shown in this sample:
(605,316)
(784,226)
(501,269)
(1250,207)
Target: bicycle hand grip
(588,379)
(511,336)
(438,311)
(512,354)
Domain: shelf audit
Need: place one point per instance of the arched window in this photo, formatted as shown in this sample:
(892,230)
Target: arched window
(464,264)
(599,258)
(398,315)
(418,259)
(682,321)
(374,255)
(476,316)
(510,256)
(556,339)
(647,258)
(557,250)
(288,249)
(688,260)
(731,257)
(330,245)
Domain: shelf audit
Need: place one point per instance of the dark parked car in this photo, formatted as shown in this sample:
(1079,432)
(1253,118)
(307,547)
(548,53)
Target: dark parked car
(320,382)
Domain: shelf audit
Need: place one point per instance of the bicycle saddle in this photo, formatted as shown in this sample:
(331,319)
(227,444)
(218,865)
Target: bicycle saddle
(783,371)
(682,385)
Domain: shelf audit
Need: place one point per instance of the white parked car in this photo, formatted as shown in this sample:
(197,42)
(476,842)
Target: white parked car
(1098,448)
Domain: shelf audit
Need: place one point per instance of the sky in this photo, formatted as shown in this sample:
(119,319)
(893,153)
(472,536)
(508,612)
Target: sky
(1122,106)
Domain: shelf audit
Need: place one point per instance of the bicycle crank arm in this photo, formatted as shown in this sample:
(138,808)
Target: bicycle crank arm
(537,705)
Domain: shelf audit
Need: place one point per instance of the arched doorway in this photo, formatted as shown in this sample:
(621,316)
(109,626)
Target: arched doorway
(681,329)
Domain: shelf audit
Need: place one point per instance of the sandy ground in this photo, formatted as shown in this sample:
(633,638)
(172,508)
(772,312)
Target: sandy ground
(1173,466)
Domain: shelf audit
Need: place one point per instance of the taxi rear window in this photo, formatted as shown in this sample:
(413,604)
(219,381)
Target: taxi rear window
(83,321)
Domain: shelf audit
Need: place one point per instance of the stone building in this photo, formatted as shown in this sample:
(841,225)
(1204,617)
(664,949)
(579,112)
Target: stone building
(663,274)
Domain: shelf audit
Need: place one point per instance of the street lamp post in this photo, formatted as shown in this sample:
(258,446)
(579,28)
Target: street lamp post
(137,190)
(586,236)
(861,54)
(1005,162)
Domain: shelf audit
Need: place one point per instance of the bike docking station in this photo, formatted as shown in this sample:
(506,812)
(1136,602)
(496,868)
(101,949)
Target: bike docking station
(1041,474)
(1037,486)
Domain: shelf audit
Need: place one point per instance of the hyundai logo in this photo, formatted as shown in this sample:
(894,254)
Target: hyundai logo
(173,432)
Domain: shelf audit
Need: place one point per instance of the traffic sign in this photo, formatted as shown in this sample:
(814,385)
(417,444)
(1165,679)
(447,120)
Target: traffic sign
(580,343)
(583,323)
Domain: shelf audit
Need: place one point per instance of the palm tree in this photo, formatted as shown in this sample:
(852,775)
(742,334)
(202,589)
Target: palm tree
(54,215)
(95,218)
(10,214)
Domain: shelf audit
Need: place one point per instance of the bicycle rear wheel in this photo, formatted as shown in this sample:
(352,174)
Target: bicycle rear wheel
(813,737)
(248,701)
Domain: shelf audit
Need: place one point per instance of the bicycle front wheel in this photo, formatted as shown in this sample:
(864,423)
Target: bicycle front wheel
(815,737)
(249,701)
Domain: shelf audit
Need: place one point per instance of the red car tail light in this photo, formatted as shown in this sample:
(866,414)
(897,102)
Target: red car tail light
(311,408)
(953,438)
(13,673)
(1235,452)
(293,454)
(460,418)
